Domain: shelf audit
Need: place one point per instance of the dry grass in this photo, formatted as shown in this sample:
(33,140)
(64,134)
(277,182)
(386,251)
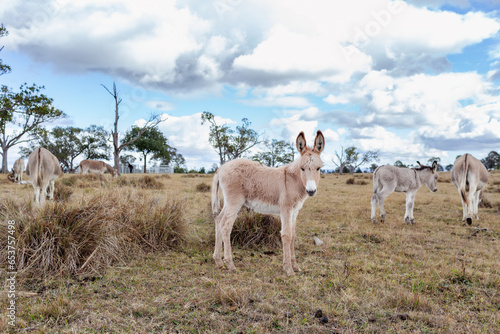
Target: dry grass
(203,187)
(438,276)
(89,235)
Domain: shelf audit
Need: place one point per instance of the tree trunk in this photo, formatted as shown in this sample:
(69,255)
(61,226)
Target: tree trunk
(117,161)
(144,163)
(5,168)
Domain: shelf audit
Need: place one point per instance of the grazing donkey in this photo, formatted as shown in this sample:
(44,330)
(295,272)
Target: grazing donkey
(17,171)
(43,169)
(388,178)
(279,191)
(94,166)
(470,177)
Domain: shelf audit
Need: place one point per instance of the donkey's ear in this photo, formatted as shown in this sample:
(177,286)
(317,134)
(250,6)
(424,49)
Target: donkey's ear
(418,162)
(319,142)
(434,165)
(301,143)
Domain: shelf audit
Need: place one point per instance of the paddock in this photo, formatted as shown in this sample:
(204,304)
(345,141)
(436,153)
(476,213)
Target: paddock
(439,274)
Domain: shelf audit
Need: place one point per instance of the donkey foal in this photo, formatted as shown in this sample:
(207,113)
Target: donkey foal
(388,179)
(279,191)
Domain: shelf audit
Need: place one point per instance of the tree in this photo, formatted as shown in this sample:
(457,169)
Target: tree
(151,142)
(152,122)
(213,169)
(68,143)
(277,154)
(179,163)
(94,143)
(398,163)
(24,112)
(244,140)
(355,159)
(439,166)
(127,158)
(3,68)
(492,160)
(230,144)
(449,167)
(373,167)
(341,160)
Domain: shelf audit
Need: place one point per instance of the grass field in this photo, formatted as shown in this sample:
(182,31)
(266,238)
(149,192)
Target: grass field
(438,276)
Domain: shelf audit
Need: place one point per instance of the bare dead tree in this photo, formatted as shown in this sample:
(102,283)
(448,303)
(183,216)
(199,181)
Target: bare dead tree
(342,161)
(152,122)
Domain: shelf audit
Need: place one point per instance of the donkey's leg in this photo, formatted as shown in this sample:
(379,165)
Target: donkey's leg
(477,200)
(410,200)
(43,193)
(471,200)
(218,240)
(380,199)
(50,189)
(286,239)
(374,208)
(37,193)
(464,206)
(227,222)
(295,266)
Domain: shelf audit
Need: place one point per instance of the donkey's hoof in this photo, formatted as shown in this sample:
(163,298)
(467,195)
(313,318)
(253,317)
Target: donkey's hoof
(469,221)
(374,221)
(296,268)
(407,221)
(289,270)
(230,265)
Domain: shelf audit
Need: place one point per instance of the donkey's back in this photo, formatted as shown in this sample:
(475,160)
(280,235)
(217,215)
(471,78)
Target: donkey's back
(397,178)
(249,183)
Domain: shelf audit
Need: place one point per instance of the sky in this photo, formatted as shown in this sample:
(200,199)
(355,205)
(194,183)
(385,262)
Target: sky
(411,79)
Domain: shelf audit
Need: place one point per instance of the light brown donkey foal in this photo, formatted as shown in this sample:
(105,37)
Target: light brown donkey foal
(279,191)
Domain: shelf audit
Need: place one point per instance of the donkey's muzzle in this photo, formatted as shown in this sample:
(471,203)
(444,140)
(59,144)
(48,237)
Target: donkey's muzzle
(311,192)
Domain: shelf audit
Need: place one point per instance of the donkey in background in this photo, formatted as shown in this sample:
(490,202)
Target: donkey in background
(388,179)
(279,191)
(470,177)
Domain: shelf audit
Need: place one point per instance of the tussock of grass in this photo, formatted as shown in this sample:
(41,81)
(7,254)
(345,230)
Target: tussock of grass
(203,187)
(62,192)
(144,182)
(92,180)
(254,229)
(100,230)
(353,181)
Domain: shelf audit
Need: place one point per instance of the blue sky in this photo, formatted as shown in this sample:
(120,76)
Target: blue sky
(413,79)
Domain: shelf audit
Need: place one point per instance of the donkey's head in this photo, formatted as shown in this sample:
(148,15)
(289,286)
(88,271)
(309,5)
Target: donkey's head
(430,175)
(310,161)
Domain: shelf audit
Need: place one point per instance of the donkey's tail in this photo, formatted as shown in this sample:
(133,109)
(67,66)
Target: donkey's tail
(215,194)
(463,180)
(39,176)
(375,181)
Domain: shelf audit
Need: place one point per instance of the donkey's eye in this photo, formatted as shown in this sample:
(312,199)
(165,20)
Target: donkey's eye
(318,168)
(302,169)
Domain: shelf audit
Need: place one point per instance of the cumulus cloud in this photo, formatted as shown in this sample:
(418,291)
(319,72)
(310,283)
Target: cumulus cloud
(387,64)
(189,45)
(191,138)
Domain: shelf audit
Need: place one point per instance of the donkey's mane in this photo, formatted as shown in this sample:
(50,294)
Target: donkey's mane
(421,167)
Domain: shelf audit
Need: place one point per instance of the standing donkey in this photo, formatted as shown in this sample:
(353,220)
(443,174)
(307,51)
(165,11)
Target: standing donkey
(470,177)
(388,179)
(279,191)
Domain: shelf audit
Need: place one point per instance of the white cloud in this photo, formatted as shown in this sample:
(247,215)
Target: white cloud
(394,147)
(191,44)
(336,99)
(291,127)
(191,138)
